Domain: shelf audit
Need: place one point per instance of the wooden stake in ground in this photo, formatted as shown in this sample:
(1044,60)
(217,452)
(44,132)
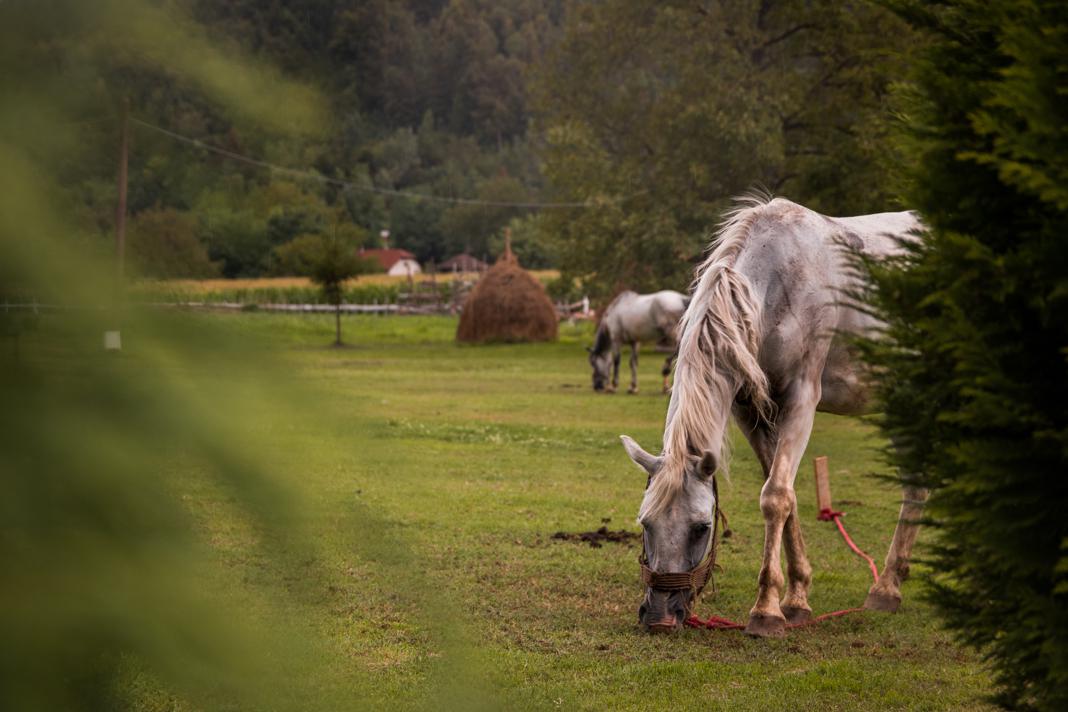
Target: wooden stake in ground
(823,483)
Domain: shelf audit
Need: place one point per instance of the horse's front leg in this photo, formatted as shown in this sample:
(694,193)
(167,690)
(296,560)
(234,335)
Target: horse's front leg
(615,368)
(634,346)
(778,502)
(885,594)
(762,438)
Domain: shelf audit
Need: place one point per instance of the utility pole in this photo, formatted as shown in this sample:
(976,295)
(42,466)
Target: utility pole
(113,339)
(120,211)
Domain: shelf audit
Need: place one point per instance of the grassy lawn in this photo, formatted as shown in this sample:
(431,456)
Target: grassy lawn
(430,485)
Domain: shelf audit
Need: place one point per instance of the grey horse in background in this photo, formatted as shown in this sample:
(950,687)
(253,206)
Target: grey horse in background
(630,319)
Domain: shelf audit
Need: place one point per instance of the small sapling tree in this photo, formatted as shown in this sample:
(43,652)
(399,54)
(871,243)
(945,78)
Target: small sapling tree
(332,262)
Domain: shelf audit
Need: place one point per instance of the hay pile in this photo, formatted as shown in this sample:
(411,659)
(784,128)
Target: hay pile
(507,304)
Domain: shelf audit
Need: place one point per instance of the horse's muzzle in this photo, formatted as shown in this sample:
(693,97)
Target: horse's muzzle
(663,611)
(662,627)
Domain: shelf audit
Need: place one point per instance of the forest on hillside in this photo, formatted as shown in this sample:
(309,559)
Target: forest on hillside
(423,97)
(446,119)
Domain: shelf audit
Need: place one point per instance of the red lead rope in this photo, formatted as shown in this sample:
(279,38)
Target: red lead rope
(825,515)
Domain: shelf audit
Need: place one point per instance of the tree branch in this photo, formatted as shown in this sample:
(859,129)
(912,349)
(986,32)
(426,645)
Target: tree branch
(776,186)
(788,34)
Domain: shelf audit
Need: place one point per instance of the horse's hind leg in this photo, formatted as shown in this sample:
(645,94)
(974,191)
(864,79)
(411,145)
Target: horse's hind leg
(666,370)
(668,325)
(633,367)
(794,606)
(885,594)
(778,501)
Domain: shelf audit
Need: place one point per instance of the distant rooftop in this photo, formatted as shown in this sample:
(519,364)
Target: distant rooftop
(387,257)
(462,263)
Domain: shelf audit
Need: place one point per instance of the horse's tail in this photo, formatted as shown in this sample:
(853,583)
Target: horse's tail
(718,350)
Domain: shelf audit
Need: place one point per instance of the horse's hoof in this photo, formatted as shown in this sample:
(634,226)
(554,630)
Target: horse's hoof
(632,391)
(795,614)
(878,601)
(762,626)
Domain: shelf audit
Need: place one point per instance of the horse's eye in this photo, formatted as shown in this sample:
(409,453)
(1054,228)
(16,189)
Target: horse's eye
(699,530)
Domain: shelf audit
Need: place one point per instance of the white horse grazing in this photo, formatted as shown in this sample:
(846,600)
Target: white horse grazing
(761,338)
(630,319)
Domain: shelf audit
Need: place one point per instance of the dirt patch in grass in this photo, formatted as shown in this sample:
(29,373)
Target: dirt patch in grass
(596,539)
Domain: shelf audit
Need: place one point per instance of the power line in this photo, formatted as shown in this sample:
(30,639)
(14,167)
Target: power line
(349,184)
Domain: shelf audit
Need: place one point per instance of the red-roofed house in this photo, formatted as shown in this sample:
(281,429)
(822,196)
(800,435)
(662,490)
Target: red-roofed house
(394,261)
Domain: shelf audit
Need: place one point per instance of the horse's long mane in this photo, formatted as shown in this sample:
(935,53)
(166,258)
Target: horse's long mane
(718,350)
(602,340)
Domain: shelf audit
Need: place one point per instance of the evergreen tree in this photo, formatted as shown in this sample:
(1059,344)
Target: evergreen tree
(975,380)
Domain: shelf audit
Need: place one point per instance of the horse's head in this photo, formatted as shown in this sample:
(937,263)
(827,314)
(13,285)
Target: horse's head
(678,536)
(602,369)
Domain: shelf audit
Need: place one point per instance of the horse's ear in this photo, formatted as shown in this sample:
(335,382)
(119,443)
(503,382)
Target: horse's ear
(649,463)
(708,465)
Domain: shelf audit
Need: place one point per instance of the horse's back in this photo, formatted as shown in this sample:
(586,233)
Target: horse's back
(791,248)
(880,234)
(797,263)
(649,317)
(667,301)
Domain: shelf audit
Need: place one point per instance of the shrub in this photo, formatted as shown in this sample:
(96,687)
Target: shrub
(975,381)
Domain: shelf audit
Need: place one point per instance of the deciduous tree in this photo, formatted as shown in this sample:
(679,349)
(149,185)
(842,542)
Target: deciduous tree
(658,113)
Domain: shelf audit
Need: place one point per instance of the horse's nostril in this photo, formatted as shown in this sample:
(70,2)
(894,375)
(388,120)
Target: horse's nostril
(641,613)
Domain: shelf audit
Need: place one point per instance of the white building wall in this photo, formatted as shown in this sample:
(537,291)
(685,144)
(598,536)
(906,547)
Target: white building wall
(402,268)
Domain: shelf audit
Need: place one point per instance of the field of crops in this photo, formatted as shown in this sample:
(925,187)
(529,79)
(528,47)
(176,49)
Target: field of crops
(365,289)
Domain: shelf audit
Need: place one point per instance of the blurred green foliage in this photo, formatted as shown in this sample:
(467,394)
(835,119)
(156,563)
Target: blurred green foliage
(111,597)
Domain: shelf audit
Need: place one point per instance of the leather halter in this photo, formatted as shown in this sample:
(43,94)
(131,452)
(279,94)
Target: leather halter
(696,578)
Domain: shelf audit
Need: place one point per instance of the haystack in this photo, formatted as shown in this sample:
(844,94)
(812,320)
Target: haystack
(507,304)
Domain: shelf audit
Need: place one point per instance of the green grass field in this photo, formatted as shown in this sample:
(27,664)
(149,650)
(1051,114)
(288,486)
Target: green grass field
(429,485)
